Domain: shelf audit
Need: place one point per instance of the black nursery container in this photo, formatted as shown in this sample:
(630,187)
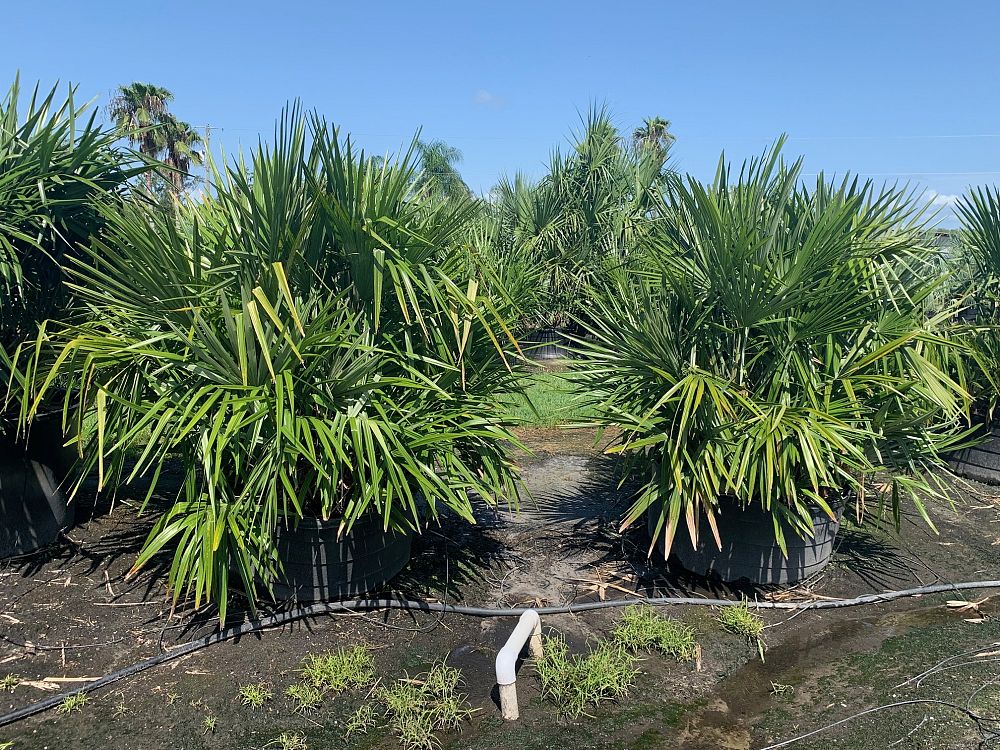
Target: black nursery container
(749,550)
(320,567)
(33,506)
(980,462)
(546,344)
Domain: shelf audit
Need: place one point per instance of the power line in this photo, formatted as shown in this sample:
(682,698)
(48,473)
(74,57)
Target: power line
(852,137)
(908,174)
(681,136)
(948,136)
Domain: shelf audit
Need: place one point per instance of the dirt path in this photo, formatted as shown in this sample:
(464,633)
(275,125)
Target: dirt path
(562,534)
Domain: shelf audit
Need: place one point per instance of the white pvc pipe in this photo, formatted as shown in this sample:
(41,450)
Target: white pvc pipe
(529,628)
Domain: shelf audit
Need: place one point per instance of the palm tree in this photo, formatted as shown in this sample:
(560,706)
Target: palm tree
(56,163)
(654,134)
(141,116)
(335,339)
(438,174)
(180,150)
(137,110)
(761,349)
(588,217)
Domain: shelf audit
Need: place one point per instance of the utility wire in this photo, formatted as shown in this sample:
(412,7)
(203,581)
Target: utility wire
(680,136)
(910,174)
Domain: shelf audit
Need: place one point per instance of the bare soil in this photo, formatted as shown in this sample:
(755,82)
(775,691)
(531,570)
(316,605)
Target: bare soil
(67,614)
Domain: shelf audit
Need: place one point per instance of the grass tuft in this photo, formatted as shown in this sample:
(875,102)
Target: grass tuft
(641,628)
(574,682)
(361,721)
(304,697)
(778,688)
(121,709)
(9,682)
(72,703)
(740,620)
(417,708)
(255,694)
(289,741)
(335,671)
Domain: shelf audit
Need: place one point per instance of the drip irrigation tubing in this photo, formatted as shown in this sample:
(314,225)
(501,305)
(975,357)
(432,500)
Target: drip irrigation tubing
(329,608)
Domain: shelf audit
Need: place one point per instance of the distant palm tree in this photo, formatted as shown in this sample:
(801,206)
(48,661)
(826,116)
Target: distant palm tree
(141,116)
(438,173)
(180,150)
(654,134)
(137,110)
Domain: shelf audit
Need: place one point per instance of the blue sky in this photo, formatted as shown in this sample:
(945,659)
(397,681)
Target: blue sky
(902,91)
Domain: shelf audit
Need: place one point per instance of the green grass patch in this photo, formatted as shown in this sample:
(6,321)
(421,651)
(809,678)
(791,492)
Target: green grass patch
(417,708)
(740,620)
(363,720)
(642,628)
(549,399)
(289,741)
(304,697)
(575,682)
(255,695)
(72,703)
(328,674)
(336,671)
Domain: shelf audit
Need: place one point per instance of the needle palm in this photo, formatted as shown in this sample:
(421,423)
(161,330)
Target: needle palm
(773,347)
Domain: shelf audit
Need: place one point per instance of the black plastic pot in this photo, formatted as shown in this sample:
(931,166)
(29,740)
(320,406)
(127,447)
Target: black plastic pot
(749,551)
(320,567)
(33,507)
(980,462)
(546,343)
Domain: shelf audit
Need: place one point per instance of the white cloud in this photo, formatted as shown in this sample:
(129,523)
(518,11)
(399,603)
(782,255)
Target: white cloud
(485,98)
(940,199)
(942,206)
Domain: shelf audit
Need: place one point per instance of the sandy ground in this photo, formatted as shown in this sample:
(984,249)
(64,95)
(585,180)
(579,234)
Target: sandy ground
(67,613)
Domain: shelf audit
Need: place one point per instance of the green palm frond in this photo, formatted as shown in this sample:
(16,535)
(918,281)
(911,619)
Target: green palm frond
(979,213)
(55,160)
(303,339)
(772,346)
(587,218)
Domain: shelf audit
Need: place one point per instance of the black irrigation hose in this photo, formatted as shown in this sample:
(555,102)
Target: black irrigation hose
(458,609)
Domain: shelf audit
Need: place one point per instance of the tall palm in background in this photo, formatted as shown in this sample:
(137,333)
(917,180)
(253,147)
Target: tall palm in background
(654,134)
(137,109)
(181,151)
(439,176)
(141,116)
